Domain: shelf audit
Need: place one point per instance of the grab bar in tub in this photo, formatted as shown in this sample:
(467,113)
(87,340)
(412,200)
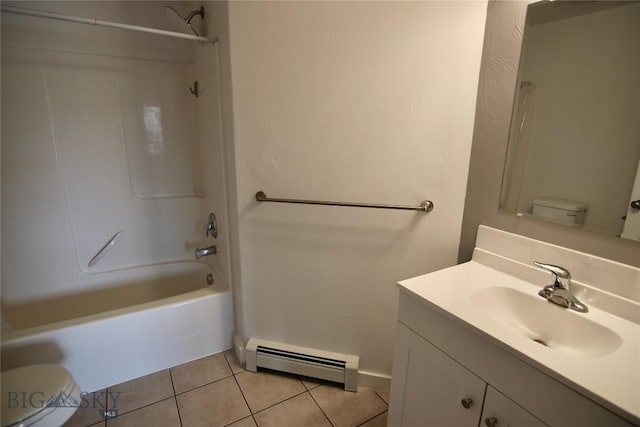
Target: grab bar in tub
(105,249)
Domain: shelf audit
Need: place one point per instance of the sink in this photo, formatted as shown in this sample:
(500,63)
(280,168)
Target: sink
(545,323)
(495,297)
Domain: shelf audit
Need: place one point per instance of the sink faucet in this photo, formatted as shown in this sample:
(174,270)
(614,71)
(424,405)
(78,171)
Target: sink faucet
(559,292)
(209,250)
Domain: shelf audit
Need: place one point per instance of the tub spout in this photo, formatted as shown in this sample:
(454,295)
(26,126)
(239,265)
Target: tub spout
(209,250)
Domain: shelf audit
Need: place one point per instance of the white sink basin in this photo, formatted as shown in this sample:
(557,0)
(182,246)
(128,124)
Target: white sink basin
(495,295)
(595,353)
(546,323)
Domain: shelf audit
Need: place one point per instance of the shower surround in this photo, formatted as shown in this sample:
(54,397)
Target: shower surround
(110,168)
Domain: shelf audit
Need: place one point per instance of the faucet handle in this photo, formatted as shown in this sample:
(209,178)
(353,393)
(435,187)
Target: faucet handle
(561,276)
(556,270)
(212,226)
(559,292)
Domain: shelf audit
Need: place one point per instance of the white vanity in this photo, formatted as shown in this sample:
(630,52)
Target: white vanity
(476,344)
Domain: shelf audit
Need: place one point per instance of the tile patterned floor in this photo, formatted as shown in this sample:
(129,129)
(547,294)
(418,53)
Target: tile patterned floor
(217,391)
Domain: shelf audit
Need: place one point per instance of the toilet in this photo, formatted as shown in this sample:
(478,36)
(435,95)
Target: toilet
(38,395)
(561,211)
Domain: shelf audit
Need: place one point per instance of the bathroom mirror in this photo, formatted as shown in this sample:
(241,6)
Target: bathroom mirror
(575,127)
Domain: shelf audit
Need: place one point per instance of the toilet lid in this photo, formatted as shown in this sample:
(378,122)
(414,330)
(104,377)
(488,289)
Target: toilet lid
(26,391)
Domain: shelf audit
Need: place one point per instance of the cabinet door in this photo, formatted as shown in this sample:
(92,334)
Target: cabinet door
(500,411)
(428,387)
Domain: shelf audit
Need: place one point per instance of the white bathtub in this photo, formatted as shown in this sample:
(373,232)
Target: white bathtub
(133,330)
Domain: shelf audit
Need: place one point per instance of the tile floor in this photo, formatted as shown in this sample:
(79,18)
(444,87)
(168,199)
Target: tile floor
(217,391)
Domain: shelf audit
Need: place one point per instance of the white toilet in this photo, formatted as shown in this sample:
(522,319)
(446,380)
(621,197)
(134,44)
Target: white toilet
(38,395)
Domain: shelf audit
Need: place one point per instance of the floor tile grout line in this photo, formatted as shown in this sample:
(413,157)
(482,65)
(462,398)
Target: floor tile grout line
(282,401)
(375,416)
(321,410)
(309,388)
(233,374)
(173,386)
(106,406)
(275,404)
(236,421)
(382,398)
(229,363)
(203,385)
(175,398)
(226,359)
(141,407)
(244,397)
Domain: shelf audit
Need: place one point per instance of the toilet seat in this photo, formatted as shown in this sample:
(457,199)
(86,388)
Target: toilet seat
(27,391)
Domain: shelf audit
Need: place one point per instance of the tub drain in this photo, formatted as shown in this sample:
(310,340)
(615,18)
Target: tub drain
(210,279)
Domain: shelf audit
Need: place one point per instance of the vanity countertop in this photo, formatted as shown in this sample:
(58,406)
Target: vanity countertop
(602,366)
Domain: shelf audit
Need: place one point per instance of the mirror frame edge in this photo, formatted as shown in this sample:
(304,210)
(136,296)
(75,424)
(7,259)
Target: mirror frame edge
(502,44)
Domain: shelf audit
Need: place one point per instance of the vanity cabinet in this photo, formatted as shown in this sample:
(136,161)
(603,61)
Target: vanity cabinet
(434,386)
(440,362)
(435,390)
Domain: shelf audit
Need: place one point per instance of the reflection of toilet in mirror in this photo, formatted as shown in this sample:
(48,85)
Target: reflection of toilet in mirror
(38,395)
(561,211)
(574,129)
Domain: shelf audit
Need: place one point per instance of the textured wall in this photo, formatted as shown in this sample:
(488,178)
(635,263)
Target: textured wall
(501,52)
(367,102)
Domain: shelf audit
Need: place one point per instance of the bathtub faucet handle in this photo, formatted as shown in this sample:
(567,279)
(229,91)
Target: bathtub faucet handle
(212,226)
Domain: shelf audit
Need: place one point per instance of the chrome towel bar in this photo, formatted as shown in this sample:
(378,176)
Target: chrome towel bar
(426,206)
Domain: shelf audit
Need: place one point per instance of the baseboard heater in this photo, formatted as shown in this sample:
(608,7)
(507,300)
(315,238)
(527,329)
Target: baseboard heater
(336,367)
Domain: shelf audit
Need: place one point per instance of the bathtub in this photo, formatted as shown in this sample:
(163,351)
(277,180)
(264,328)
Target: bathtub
(126,331)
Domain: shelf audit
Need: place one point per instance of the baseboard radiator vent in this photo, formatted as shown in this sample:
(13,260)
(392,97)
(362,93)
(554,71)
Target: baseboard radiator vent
(336,367)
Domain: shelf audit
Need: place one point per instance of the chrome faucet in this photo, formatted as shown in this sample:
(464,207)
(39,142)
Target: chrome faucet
(209,250)
(559,292)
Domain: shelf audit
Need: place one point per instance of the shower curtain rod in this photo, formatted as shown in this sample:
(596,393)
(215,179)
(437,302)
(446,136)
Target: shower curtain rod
(100,23)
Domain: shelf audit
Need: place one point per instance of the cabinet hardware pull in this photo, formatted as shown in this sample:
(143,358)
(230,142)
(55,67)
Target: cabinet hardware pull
(491,422)
(467,403)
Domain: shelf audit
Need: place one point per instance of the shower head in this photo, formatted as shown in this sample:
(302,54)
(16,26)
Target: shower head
(179,21)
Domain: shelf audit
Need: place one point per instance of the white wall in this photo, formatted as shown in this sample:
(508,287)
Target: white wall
(81,160)
(586,70)
(350,101)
